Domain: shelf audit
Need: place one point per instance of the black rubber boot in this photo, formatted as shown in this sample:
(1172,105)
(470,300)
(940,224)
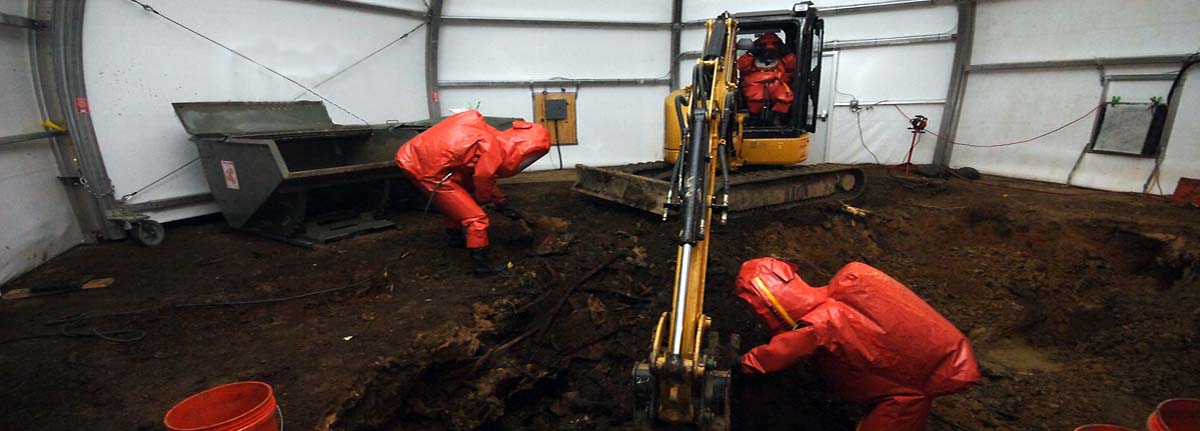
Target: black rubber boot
(455,238)
(482,263)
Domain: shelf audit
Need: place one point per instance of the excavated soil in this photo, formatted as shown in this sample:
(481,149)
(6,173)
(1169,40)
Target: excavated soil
(1083,307)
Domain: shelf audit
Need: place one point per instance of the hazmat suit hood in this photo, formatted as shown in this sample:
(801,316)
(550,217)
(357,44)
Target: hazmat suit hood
(769,41)
(779,298)
(523,144)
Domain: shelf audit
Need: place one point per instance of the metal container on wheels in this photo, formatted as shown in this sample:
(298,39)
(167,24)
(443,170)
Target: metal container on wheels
(286,171)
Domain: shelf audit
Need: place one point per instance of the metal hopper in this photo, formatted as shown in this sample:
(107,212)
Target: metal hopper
(285,170)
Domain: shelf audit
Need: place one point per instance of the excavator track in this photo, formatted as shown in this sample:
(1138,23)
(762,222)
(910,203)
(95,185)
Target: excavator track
(644,185)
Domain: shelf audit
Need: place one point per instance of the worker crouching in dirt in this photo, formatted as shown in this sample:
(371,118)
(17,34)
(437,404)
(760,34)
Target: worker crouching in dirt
(456,163)
(873,340)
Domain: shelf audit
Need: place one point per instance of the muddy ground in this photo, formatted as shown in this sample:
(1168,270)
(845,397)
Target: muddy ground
(1083,307)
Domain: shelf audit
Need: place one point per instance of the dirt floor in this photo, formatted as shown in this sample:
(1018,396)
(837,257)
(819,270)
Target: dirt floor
(1083,307)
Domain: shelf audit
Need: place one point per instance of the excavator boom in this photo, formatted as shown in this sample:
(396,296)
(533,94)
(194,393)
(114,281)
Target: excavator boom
(713,130)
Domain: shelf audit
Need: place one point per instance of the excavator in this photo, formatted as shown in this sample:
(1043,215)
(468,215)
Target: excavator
(719,157)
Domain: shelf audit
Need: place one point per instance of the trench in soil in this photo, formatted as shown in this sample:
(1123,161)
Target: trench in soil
(1082,308)
(1046,300)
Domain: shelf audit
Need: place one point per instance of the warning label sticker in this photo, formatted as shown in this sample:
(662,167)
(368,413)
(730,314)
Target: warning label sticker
(231,180)
(81,105)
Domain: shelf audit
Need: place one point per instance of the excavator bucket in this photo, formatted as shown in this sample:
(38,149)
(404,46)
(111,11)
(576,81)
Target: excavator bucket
(644,185)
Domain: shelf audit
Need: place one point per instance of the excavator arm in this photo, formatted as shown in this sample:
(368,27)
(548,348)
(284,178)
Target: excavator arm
(682,382)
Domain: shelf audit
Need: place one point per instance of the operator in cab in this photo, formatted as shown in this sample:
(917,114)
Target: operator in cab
(766,70)
(873,340)
(456,164)
(769,42)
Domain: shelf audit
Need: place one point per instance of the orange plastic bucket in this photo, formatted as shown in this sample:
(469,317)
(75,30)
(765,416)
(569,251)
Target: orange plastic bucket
(1103,427)
(241,406)
(1176,414)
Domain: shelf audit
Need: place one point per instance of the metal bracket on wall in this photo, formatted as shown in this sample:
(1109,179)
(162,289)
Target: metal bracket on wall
(835,45)
(26,137)
(555,83)
(1085,62)
(22,22)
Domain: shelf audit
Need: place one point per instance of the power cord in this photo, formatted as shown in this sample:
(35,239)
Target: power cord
(1093,110)
(858,121)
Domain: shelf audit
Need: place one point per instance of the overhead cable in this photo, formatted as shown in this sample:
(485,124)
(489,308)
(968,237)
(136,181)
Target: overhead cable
(151,9)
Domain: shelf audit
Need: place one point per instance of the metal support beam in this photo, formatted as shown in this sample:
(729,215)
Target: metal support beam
(1084,62)
(433,31)
(26,137)
(948,130)
(1142,77)
(43,57)
(854,9)
(540,22)
(676,32)
(370,7)
(869,103)
(67,45)
(556,82)
(889,41)
(835,45)
(169,202)
(851,9)
(22,22)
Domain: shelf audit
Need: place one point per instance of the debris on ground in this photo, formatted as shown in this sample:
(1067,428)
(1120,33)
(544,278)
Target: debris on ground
(1081,308)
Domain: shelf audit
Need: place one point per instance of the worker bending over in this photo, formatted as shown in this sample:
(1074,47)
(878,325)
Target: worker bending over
(456,163)
(874,340)
(766,71)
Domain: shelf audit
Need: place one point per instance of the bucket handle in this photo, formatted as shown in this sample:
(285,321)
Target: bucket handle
(279,411)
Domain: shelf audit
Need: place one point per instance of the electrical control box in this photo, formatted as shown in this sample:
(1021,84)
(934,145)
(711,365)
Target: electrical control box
(556,109)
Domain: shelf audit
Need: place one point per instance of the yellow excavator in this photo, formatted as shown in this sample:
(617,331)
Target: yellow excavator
(710,132)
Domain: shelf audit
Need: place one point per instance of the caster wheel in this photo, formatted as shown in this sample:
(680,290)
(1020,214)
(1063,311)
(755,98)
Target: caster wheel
(149,233)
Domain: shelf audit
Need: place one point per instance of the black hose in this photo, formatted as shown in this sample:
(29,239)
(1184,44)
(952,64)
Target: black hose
(1192,60)
(1162,152)
(680,102)
(677,172)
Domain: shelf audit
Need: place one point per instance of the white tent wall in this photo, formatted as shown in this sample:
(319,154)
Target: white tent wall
(137,64)
(37,220)
(1006,106)
(610,10)
(615,124)
(913,77)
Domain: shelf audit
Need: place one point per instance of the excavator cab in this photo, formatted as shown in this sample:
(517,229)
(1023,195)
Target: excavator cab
(766,139)
(802,35)
(772,147)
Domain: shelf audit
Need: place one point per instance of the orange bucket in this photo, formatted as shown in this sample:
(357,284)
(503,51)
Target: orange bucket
(1103,427)
(1176,414)
(241,406)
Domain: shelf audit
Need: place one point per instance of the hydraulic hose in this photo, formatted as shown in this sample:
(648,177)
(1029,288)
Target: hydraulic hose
(677,172)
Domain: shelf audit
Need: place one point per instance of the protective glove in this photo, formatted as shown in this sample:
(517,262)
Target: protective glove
(504,209)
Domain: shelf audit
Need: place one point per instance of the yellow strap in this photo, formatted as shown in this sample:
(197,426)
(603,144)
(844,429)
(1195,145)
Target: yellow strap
(778,307)
(52,126)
